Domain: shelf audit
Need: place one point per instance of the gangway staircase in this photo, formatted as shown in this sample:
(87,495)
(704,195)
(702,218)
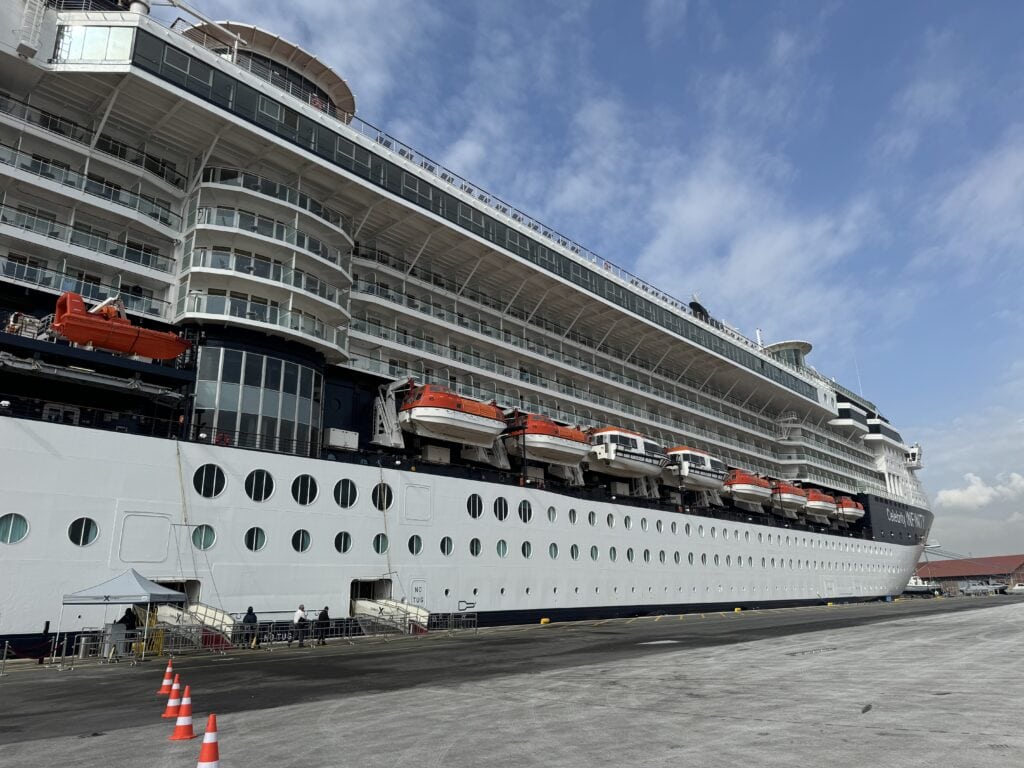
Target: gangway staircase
(196,626)
(384,617)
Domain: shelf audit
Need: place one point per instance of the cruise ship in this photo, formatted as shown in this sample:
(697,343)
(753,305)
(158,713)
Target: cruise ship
(265,353)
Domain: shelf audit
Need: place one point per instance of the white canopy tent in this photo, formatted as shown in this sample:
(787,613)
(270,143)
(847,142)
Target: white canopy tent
(130,588)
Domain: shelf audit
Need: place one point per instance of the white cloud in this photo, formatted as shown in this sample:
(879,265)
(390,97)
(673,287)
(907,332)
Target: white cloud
(977,493)
(665,20)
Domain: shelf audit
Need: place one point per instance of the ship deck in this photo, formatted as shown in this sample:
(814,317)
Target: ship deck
(905,683)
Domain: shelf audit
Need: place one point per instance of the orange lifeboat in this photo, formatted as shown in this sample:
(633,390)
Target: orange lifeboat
(850,510)
(788,496)
(107,327)
(820,503)
(744,486)
(438,413)
(544,439)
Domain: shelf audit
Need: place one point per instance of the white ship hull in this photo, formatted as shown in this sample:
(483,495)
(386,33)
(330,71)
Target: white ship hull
(549,449)
(453,426)
(145,515)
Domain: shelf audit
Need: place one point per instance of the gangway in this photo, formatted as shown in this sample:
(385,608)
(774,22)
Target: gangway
(402,617)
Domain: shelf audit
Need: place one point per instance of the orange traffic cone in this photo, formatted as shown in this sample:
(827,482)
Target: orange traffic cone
(209,754)
(166,687)
(183,725)
(174,700)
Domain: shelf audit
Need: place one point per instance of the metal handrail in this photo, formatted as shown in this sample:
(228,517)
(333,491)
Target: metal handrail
(233,218)
(236,177)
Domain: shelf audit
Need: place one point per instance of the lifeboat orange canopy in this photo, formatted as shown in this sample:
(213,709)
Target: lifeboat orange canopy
(107,327)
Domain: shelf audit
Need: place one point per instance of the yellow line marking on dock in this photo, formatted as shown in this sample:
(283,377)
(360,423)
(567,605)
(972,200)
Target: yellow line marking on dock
(658,618)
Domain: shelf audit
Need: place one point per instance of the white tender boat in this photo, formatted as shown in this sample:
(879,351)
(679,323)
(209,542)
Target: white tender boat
(621,453)
(694,469)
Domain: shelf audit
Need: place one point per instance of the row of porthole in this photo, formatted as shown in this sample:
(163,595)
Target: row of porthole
(615,590)
(14,527)
(203,537)
(210,482)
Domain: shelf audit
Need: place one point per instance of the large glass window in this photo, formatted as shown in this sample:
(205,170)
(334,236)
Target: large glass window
(94,44)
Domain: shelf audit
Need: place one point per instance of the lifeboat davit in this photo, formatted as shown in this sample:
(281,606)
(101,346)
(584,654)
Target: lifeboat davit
(788,496)
(850,510)
(106,326)
(621,453)
(821,503)
(438,413)
(544,440)
(695,469)
(744,486)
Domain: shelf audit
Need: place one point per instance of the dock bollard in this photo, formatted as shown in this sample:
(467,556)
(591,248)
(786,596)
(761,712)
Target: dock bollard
(545,620)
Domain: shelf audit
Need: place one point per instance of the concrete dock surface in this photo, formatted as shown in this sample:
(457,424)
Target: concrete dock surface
(912,683)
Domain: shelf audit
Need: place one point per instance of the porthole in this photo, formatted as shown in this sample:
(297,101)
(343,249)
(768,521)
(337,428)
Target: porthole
(304,489)
(572,517)
(475,505)
(474,547)
(728,560)
(689,558)
(746,535)
(736,535)
(647,555)
(594,553)
(259,485)
(382,496)
(659,526)
(674,527)
(203,536)
(446,546)
(343,542)
(525,511)
(574,552)
(629,554)
(552,514)
(676,557)
(300,540)
(750,562)
(209,481)
(501,548)
(500,508)
(83,531)
(592,518)
(345,493)
(527,549)
(553,550)
(713,536)
(643,523)
(703,558)
(700,531)
(610,520)
(627,521)
(13,528)
(661,556)
(612,554)
(255,539)
(380,543)
(501,591)
(447,592)
(415,544)
(576,590)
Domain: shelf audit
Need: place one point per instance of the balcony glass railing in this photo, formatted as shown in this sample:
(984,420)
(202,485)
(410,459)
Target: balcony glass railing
(263,312)
(53,280)
(68,178)
(72,130)
(268,270)
(234,177)
(101,245)
(268,227)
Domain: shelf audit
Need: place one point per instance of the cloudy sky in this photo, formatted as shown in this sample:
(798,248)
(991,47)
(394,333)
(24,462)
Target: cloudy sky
(849,173)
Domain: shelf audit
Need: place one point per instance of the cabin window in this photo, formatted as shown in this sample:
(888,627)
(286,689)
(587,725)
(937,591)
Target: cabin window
(500,508)
(345,493)
(13,528)
(612,554)
(474,547)
(525,511)
(592,518)
(647,555)
(343,542)
(380,543)
(209,481)
(643,523)
(552,514)
(572,517)
(594,553)
(203,537)
(255,539)
(446,546)
(574,552)
(553,550)
(301,540)
(610,520)
(382,496)
(628,522)
(259,485)
(304,489)
(475,505)
(415,544)
(501,548)
(83,531)
(629,554)
(526,549)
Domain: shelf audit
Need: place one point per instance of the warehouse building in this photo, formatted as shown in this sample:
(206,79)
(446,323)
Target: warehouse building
(968,575)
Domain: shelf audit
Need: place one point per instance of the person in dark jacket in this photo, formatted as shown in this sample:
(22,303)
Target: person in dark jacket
(130,620)
(323,621)
(249,629)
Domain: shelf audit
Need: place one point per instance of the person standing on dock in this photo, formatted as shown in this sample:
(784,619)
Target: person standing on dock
(323,621)
(299,621)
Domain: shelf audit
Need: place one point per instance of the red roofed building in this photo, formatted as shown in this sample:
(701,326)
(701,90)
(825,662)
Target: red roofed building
(955,574)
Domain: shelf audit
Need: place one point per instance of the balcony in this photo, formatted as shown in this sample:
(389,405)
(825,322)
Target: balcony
(330,340)
(52,281)
(264,270)
(271,229)
(62,233)
(68,178)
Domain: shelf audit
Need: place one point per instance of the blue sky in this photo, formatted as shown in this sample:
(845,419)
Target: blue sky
(848,173)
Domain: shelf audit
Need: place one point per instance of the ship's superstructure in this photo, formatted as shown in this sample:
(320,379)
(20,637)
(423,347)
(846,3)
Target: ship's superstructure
(369,334)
